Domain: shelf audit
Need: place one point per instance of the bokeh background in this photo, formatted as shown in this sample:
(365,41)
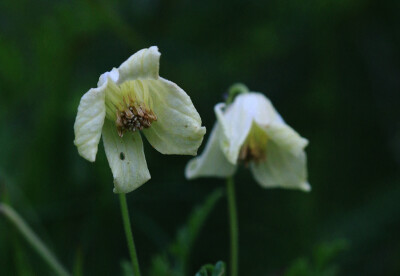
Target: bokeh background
(331,68)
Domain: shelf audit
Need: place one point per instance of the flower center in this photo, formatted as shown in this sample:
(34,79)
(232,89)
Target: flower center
(254,148)
(134,117)
(250,154)
(129,105)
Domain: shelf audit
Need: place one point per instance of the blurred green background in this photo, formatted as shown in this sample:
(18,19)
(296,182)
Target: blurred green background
(330,67)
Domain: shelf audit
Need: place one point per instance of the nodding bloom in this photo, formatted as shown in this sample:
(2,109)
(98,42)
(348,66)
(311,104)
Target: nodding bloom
(128,100)
(251,132)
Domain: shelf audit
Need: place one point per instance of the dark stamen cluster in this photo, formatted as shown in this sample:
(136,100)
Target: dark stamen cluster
(250,154)
(134,117)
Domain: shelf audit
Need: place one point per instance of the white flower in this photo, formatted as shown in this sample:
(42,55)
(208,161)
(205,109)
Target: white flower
(250,131)
(131,98)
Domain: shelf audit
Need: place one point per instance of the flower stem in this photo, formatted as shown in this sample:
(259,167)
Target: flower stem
(230,186)
(129,236)
(33,239)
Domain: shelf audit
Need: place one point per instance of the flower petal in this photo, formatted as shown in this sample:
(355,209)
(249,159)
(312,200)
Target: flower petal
(235,126)
(89,122)
(237,120)
(144,64)
(113,75)
(178,127)
(212,162)
(286,137)
(126,158)
(282,169)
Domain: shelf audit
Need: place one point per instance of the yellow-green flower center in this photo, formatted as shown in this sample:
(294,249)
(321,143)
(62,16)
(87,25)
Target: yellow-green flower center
(254,148)
(129,106)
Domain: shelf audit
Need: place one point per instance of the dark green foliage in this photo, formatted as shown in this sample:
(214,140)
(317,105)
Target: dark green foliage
(126,267)
(175,261)
(212,270)
(322,263)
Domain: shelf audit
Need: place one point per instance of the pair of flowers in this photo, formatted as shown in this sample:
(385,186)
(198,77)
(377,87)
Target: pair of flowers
(134,98)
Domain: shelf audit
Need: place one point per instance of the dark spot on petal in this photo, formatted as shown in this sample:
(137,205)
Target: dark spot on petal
(122,156)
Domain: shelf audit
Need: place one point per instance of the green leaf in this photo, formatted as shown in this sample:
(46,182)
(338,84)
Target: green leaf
(175,260)
(219,269)
(78,263)
(212,270)
(321,264)
(326,252)
(300,267)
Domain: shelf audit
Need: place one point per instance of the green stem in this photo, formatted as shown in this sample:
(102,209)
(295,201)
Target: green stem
(129,236)
(230,186)
(33,239)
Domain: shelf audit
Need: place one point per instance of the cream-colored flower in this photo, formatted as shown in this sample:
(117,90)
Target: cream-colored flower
(129,99)
(250,131)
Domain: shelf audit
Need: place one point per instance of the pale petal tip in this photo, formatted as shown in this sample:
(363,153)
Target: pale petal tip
(201,131)
(154,49)
(89,156)
(120,191)
(113,75)
(218,107)
(151,61)
(194,170)
(144,64)
(189,170)
(305,186)
(305,142)
(124,189)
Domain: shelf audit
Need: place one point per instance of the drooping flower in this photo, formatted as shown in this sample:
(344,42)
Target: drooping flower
(250,131)
(130,99)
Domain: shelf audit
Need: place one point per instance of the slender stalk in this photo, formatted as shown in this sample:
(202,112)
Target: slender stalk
(230,187)
(33,239)
(129,236)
